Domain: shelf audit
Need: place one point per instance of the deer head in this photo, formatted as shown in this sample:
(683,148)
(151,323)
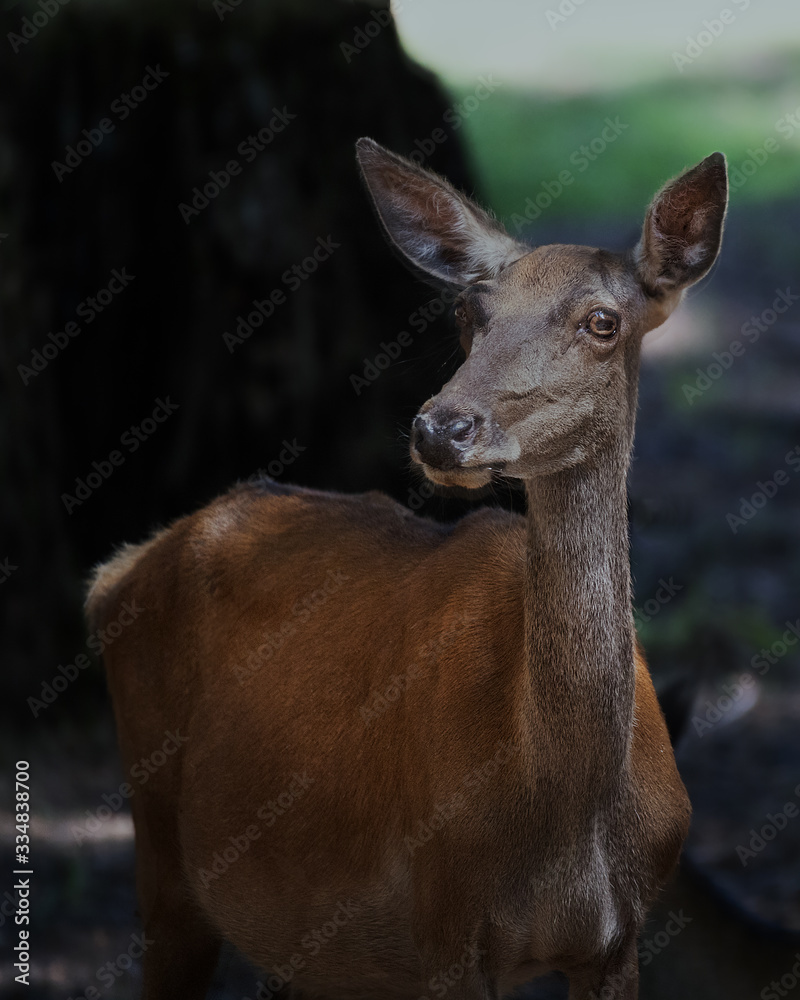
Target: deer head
(551,335)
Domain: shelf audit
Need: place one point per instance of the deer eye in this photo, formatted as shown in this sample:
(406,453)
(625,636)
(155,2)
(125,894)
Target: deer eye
(602,324)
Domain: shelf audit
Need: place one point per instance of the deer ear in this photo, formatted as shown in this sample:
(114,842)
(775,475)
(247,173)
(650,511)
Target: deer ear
(436,229)
(683,228)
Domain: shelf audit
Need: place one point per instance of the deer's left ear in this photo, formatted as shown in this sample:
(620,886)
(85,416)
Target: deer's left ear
(683,228)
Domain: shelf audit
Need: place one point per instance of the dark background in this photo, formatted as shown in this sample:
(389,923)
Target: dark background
(290,381)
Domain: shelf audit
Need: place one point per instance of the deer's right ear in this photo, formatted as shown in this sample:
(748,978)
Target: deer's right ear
(683,228)
(436,229)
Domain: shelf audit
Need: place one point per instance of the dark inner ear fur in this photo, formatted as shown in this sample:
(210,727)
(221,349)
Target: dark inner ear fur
(683,228)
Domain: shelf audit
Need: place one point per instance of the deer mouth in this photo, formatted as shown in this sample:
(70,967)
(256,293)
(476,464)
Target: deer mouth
(470,477)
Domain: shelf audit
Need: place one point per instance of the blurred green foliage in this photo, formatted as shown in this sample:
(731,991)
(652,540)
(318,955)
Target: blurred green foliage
(700,621)
(518,140)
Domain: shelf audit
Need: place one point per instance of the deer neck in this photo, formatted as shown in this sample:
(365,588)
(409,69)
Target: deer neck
(579,625)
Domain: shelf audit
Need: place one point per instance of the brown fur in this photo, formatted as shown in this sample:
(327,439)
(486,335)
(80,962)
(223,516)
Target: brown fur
(435,747)
(373,782)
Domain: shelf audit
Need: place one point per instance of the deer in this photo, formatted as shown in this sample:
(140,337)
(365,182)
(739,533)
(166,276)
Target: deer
(515,807)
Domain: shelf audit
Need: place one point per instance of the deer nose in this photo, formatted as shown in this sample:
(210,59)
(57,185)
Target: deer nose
(462,430)
(440,439)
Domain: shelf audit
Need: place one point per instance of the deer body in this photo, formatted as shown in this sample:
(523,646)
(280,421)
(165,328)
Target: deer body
(419,759)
